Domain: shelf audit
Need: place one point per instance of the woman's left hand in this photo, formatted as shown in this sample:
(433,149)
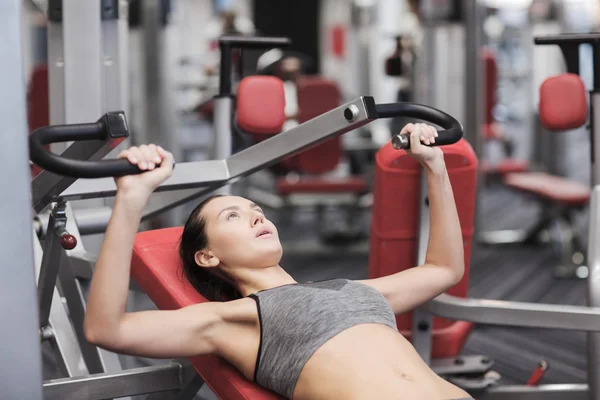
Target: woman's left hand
(420,136)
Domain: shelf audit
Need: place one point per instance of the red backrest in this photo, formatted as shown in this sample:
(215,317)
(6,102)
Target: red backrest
(395,228)
(563,102)
(260,106)
(316,96)
(155,267)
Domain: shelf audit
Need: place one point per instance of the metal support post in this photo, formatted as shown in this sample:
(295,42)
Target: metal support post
(593,338)
(474,89)
(50,261)
(422,321)
(61,335)
(19,340)
(87,52)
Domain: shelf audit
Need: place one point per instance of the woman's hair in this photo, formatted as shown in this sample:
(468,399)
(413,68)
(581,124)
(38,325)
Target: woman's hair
(194,238)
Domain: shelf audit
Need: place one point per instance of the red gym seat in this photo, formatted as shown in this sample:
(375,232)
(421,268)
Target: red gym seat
(316,96)
(395,229)
(563,106)
(155,268)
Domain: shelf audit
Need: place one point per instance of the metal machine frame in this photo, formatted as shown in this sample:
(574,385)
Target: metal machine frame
(19,341)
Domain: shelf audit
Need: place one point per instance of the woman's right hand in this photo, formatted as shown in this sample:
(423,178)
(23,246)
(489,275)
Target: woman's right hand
(157,164)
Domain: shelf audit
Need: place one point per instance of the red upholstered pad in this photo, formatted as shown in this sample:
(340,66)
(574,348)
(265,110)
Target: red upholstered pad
(550,187)
(316,96)
(261,105)
(504,167)
(492,132)
(318,185)
(563,102)
(154,267)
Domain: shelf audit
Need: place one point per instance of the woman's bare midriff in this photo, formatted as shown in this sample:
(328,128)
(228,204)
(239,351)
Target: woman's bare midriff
(371,361)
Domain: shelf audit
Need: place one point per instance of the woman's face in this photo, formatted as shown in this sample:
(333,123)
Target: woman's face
(239,234)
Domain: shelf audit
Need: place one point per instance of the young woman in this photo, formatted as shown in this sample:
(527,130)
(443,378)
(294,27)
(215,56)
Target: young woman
(327,340)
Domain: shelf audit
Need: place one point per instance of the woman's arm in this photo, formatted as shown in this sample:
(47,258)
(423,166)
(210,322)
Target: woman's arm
(184,332)
(444,260)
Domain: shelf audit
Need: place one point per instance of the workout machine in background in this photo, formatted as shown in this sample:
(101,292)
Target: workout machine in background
(439,342)
(563,106)
(313,178)
(208,175)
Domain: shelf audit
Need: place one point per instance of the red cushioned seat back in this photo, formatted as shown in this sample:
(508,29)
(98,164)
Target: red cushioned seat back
(395,228)
(563,102)
(490,67)
(155,267)
(260,106)
(316,96)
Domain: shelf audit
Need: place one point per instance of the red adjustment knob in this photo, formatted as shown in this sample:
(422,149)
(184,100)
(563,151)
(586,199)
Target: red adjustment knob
(538,374)
(68,242)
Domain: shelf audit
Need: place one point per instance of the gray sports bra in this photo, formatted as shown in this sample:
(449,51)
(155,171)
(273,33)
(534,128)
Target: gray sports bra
(297,319)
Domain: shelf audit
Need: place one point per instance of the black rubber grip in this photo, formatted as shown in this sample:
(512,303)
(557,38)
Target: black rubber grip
(452,133)
(111,126)
(574,38)
(254,42)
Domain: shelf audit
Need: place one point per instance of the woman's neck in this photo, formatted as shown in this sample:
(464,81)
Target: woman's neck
(250,281)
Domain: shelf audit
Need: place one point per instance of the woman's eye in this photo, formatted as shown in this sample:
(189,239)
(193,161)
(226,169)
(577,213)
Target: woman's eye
(231,215)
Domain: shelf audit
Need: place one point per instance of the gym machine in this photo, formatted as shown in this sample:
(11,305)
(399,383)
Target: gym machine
(208,175)
(212,174)
(558,211)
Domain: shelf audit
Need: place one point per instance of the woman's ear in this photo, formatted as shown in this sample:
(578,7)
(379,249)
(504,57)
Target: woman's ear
(206,259)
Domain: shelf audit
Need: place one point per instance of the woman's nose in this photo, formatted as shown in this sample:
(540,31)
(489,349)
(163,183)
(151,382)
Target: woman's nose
(256,218)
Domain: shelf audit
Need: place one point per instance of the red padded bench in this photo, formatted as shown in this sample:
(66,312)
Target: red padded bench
(155,267)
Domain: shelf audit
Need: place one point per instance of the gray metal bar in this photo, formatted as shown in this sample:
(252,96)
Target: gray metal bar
(223,141)
(308,134)
(50,264)
(115,60)
(130,382)
(474,88)
(186,175)
(188,392)
(19,339)
(63,338)
(542,392)
(422,321)
(74,301)
(595,111)
(47,186)
(216,173)
(513,313)
(593,256)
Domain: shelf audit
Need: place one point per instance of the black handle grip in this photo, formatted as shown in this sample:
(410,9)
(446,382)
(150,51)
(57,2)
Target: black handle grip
(112,125)
(572,38)
(452,133)
(253,42)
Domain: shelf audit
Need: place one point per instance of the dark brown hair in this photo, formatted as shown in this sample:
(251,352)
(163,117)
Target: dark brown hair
(194,238)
